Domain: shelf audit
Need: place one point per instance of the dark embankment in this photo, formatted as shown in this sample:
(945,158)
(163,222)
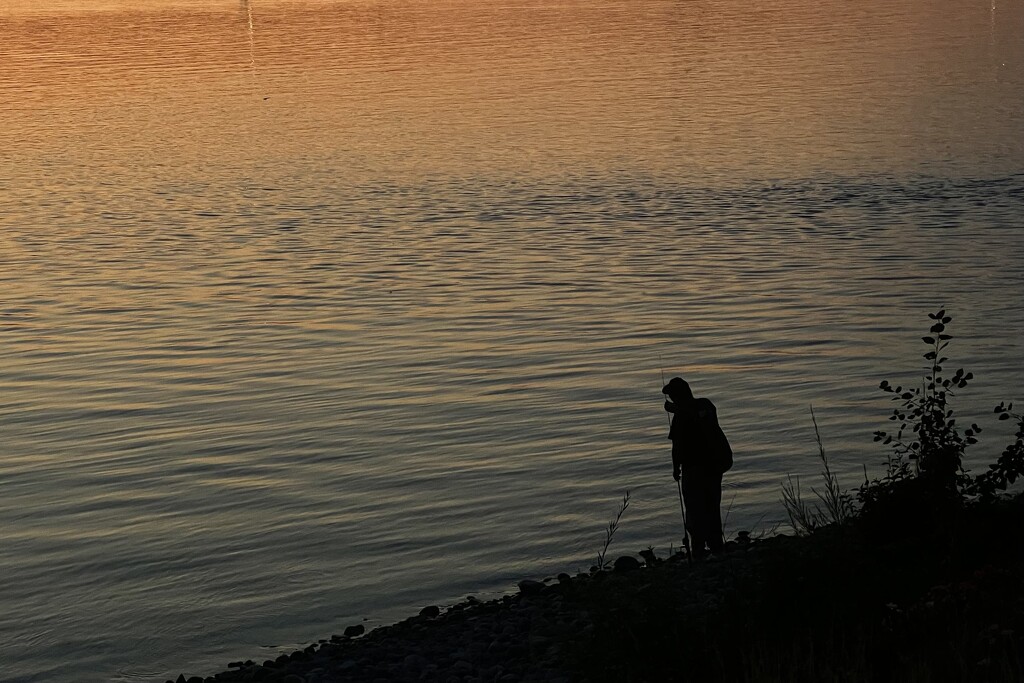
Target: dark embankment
(920,602)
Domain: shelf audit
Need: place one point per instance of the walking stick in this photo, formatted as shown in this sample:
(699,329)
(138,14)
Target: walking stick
(682,511)
(679,483)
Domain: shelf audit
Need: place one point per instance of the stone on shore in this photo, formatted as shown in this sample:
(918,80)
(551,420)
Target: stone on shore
(626,563)
(530,587)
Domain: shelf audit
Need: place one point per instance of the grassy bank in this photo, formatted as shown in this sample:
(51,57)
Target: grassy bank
(837,605)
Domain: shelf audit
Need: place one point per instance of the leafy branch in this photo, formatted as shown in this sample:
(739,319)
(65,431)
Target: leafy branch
(929,438)
(933,444)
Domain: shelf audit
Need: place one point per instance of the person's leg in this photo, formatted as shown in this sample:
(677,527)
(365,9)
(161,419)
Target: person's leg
(713,515)
(696,511)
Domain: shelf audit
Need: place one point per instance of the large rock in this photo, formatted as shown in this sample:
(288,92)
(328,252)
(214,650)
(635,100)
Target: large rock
(626,563)
(649,557)
(530,587)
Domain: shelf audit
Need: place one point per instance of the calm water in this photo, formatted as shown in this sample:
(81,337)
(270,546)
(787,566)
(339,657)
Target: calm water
(315,312)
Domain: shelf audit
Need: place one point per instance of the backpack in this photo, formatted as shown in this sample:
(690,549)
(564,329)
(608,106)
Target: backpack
(714,438)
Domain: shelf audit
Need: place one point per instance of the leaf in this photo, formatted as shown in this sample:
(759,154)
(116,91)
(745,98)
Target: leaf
(945,337)
(937,327)
(928,340)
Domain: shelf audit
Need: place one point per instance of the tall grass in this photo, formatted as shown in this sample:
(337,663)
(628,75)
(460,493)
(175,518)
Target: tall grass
(835,506)
(609,532)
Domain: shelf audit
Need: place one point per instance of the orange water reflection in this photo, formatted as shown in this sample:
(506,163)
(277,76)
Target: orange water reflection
(657,86)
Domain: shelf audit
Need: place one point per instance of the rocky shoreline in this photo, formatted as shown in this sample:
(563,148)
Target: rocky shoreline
(839,604)
(533,635)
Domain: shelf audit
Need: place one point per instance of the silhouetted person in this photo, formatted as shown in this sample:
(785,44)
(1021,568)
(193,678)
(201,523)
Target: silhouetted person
(700,455)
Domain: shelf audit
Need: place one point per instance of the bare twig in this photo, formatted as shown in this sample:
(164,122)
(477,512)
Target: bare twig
(612,528)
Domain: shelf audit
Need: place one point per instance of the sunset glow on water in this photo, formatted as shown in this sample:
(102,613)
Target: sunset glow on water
(316,312)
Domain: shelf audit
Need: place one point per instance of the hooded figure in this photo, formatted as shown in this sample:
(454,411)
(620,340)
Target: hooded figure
(700,455)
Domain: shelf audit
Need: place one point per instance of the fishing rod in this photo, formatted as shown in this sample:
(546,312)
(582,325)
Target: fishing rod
(679,482)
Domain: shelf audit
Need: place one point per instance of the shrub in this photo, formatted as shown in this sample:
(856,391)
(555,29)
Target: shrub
(935,445)
(925,477)
(1008,467)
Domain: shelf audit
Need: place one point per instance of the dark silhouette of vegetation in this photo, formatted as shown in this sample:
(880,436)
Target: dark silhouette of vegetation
(610,530)
(926,485)
(935,446)
(1010,464)
(805,517)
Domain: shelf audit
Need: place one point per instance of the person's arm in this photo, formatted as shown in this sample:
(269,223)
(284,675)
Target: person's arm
(677,450)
